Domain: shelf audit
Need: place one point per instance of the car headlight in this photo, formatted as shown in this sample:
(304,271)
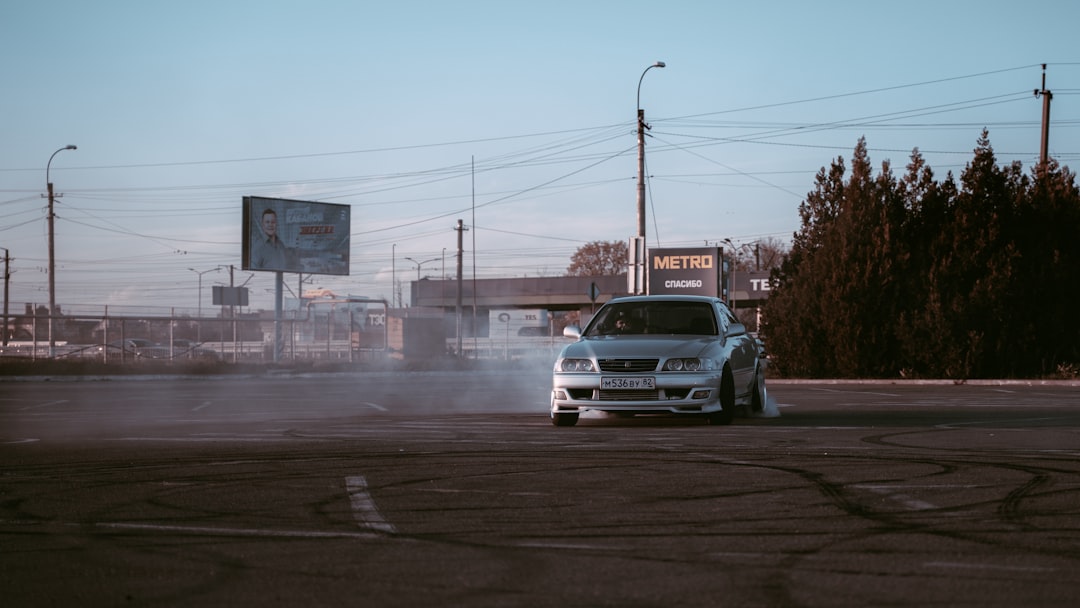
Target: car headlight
(575,365)
(689,365)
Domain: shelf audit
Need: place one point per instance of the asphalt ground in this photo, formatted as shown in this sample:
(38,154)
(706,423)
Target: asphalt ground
(454,489)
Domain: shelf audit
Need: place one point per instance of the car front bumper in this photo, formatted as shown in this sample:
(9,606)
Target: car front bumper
(675,392)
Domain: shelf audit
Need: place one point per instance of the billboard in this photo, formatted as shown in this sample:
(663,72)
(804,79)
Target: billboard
(230,296)
(688,271)
(295,236)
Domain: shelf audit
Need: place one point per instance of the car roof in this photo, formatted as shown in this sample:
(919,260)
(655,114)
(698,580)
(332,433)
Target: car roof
(666,298)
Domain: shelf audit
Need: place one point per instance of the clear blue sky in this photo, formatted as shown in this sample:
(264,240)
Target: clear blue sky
(180,109)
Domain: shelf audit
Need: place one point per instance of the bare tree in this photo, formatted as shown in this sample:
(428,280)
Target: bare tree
(599,258)
(764,254)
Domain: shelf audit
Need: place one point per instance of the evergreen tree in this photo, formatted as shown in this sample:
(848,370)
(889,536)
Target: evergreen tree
(975,274)
(1051,265)
(915,277)
(928,209)
(794,317)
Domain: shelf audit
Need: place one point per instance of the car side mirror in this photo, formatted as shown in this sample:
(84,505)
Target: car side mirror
(572,331)
(735,329)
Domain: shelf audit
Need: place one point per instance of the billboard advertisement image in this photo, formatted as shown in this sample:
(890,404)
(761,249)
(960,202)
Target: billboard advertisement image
(689,271)
(295,236)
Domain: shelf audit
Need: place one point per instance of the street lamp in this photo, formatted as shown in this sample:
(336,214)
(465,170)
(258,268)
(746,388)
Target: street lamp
(639,287)
(641,126)
(420,264)
(734,264)
(52,254)
(198,326)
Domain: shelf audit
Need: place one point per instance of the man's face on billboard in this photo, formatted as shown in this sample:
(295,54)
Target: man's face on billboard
(269,224)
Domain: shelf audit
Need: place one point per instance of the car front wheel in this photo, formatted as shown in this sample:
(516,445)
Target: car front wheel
(727,402)
(564,419)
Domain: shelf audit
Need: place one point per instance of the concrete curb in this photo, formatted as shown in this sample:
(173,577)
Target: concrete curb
(928,382)
(282,374)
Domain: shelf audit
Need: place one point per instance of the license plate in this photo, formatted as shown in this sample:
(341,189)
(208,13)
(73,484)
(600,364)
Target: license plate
(623,382)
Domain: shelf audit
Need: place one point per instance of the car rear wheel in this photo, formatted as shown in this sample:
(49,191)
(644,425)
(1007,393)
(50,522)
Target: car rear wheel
(564,419)
(757,400)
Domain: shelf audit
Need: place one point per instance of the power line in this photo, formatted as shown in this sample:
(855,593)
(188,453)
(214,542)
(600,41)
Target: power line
(865,91)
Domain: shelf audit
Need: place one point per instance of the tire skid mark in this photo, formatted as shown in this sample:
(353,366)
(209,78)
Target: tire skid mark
(1010,508)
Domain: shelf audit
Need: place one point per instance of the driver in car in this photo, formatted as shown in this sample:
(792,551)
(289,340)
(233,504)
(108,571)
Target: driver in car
(624,325)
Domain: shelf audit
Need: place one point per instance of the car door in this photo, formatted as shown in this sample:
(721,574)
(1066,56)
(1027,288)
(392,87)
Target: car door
(743,352)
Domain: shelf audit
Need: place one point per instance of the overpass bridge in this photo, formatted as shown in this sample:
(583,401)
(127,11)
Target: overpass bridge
(557,293)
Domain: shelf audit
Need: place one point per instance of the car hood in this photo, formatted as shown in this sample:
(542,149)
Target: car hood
(662,347)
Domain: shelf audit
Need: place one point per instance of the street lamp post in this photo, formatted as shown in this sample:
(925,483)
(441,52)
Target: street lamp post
(52,253)
(641,126)
(635,263)
(734,266)
(198,325)
(418,266)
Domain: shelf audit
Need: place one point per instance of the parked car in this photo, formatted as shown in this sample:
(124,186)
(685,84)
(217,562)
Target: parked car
(683,355)
(139,348)
(190,349)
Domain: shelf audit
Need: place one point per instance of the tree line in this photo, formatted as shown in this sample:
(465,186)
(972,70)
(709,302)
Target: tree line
(914,277)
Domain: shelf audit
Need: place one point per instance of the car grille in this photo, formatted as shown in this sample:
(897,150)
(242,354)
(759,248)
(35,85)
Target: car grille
(629,395)
(628,365)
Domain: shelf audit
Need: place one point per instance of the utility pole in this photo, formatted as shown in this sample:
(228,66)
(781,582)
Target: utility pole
(52,279)
(638,275)
(1044,156)
(52,257)
(641,126)
(7,290)
(460,255)
(232,310)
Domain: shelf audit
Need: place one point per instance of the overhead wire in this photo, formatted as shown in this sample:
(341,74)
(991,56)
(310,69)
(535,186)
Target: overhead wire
(544,154)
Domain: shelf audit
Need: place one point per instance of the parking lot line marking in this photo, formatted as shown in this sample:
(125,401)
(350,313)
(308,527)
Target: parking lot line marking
(908,501)
(833,390)
(197,439)
(1003,568)
(363,506)
(212,531)
(46,404)
(581,547)
(455,491)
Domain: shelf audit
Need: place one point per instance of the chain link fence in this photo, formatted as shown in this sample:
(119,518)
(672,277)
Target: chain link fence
(328,333)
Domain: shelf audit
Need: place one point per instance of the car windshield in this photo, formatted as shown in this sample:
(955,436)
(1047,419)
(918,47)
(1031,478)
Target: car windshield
(636,318)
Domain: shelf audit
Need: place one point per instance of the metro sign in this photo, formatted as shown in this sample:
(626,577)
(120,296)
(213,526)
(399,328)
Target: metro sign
(688,271)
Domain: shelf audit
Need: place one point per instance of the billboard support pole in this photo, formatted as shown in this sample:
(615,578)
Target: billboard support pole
(279,288)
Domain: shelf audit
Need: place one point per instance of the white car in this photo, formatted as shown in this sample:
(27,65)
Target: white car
(684,355)
(135,348)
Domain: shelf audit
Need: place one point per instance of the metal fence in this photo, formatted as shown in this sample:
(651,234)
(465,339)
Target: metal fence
(327,335)
(335,335)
